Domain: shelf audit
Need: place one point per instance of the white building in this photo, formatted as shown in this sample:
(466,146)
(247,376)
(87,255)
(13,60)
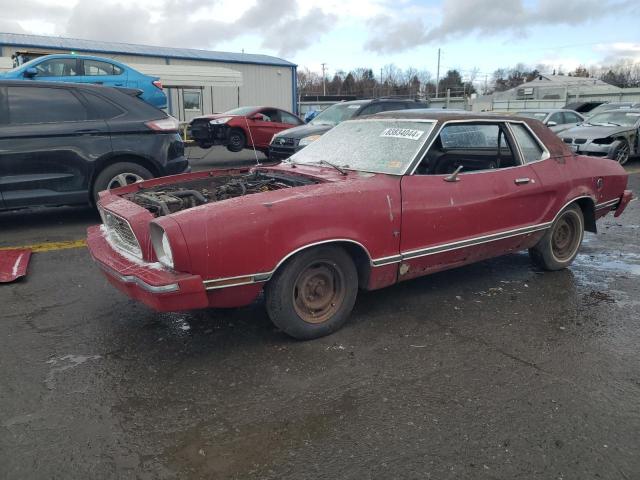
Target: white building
(196,81)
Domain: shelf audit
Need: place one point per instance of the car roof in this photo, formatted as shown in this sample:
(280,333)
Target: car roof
(36,83)
(74,55)
(545,110)
(621,110)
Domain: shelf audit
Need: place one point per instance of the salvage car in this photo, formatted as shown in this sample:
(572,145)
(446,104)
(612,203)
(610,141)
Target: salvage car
(375,201)
(244,127)
(605,107)
(613,134)
(62,143)
(557,119)
(286,143)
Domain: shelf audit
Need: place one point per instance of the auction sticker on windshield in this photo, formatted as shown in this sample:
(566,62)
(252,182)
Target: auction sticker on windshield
(408,133)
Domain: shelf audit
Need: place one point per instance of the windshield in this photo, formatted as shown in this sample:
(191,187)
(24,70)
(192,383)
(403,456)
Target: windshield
(537,115)
(616,117)
(241,110)
(378,146)
(336,113)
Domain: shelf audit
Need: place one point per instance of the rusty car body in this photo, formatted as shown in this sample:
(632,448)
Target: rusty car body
(374,202)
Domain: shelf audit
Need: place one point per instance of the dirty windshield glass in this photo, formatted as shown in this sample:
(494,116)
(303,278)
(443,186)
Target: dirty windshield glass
(623,118)
(537,115)
(241,110)
(381,146)
(336,113)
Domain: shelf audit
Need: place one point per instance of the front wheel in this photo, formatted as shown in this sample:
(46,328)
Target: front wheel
(560,244)
(621,152)
(313,294)
(237,140)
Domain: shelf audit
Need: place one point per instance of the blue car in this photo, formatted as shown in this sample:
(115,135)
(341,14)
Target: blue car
(89,69)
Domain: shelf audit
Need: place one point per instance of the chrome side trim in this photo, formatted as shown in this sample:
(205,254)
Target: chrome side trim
(382,261)
(446,247)
(609,204)
(172,287)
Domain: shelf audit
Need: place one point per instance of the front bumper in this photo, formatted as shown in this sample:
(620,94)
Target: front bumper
(159,288)
(206,134)
(282,152)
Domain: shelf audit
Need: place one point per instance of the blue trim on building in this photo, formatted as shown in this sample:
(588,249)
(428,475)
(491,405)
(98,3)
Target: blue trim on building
(294,89)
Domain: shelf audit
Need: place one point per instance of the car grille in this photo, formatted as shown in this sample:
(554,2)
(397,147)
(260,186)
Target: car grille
(577,141)
(120,233)
(282,141)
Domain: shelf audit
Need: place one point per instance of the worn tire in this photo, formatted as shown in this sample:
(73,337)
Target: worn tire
(237,140)
(622,151)
(108,174)
(560,244)
(329,277)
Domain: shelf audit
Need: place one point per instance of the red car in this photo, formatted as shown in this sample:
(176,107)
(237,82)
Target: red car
(244,127)
(373,202)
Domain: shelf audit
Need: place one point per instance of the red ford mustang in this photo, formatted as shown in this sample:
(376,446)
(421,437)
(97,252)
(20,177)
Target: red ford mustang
(244,127)
(373,202)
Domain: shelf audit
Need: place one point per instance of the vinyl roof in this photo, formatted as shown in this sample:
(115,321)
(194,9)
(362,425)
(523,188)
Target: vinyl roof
(77,44)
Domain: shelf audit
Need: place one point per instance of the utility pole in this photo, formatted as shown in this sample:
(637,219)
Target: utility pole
(438,74)
(324,83)
(486,85)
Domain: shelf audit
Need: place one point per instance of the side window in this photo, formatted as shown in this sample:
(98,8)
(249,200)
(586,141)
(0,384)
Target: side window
(58,67)
(270,115)
(43,105)
(99,108)
(531,149)
(371,109)
(389,106)
(571,117)
(557,117)
(94,67)
(288,119)
(471,146)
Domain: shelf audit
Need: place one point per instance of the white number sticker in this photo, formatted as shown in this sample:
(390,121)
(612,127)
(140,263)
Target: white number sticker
(407,133)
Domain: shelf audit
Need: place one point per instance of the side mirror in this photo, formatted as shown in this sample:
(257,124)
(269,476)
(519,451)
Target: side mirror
(31,72)
(552,124)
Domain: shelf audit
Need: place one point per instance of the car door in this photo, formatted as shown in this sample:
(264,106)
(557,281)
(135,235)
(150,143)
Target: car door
(58,70)
(47,146)
(265,127)
(103,73)
(484,210)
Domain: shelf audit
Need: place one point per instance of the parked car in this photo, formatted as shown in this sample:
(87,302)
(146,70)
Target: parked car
(244,127)
(605,107)
(374,202)
(614,134)
(62,143)
(89,69)
(288,142)
(582,107)
(556,119)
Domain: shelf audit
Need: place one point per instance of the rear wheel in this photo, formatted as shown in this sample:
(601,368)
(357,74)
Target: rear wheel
(119,175)
(237,140)
(560,244)
(313,294)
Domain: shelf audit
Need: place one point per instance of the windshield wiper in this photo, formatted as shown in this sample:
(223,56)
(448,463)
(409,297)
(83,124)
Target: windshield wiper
(616,124)
(340,169)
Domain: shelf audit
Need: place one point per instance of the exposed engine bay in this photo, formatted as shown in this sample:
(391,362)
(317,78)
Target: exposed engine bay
(168,199)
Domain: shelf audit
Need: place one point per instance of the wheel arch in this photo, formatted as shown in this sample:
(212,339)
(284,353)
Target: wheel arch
(357,251)
(588,208)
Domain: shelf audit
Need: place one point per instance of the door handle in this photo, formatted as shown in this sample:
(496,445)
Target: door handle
(521,181)
(87,131)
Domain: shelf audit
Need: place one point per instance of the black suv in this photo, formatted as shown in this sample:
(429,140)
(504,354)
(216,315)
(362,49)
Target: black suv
(288,142)
(62,143)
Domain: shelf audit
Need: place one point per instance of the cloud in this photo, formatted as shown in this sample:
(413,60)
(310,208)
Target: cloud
(278,24)
(486,17)
(617,52)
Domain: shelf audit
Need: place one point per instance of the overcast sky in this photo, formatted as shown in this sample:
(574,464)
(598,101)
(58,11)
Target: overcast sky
(486,34)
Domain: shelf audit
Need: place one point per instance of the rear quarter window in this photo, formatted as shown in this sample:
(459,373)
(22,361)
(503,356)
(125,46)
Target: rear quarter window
(531,149)
(99,108)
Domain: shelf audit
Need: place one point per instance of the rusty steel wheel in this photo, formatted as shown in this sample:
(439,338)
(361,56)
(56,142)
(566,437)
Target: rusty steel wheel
(319,292)
(313,293)
(560,244)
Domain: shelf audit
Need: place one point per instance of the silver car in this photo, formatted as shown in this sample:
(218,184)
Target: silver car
(557,119)
(613,134)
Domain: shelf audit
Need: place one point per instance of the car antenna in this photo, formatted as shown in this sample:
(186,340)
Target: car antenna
(255,153)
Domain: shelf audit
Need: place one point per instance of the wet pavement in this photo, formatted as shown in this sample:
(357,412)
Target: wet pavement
(496,370)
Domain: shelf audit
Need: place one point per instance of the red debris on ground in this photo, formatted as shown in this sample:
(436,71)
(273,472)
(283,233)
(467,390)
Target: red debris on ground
(13,264)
